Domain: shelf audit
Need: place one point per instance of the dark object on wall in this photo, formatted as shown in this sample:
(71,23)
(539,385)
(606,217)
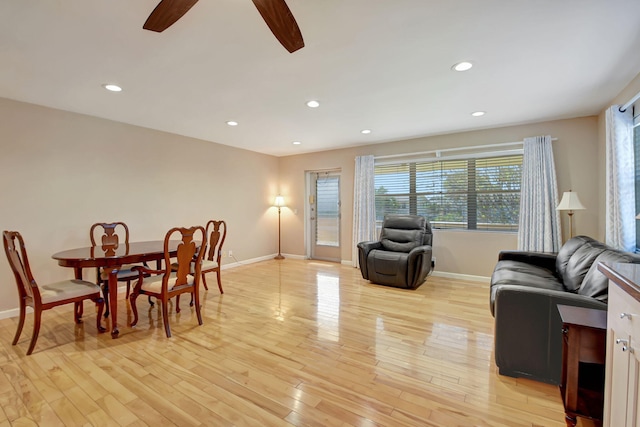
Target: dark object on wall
(526,288)
(402,256)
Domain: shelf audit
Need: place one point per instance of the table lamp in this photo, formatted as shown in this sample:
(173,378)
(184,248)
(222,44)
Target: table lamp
(570,202)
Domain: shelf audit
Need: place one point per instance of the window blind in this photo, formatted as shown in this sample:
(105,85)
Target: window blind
(473,193)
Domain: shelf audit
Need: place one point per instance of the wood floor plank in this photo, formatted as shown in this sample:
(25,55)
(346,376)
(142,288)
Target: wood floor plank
(290,343)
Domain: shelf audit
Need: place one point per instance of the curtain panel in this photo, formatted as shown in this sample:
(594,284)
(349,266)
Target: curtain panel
(539,222)
(620,170)
(364,207)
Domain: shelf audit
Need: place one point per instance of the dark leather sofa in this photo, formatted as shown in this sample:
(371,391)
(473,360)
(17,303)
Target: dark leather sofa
(402,256)
(526,288)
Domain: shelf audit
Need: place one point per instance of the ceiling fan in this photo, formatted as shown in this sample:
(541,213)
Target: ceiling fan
(275,13)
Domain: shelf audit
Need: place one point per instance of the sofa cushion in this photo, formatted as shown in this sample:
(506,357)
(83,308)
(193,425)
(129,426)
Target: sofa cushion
(567,250)
(519,273)
(575,259)
(595,284)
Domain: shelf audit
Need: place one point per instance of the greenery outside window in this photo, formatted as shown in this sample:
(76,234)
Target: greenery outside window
(480,193)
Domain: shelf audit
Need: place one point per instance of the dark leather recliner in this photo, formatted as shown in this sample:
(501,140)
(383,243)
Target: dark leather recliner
(402,256)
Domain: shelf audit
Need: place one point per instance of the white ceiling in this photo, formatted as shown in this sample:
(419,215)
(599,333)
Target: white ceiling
(378,64)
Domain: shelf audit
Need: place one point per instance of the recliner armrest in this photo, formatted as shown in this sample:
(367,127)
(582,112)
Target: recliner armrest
(363,252)
(541,259)
(419,268)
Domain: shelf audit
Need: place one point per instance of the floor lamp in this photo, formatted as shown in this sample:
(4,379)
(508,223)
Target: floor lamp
(279,203)
(570,202)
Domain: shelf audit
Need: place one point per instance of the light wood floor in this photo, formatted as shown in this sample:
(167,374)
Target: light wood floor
(290,342)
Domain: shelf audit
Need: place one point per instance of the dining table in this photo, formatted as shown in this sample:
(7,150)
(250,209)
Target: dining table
(110,258)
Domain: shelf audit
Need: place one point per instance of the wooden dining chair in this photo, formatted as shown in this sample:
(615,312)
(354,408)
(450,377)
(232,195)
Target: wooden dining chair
(113,235)
(166,283)
(44,297)
(216,234)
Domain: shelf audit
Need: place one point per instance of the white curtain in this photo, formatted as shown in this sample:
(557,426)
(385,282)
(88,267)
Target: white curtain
(364,207)
(539,226)
(620,207)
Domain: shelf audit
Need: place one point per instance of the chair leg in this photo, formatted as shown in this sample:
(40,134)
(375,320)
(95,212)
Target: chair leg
(132,301)
(165,317)
(177,303)
(128,288)
(37,314)
(100,304)
(23,310)
(196,296)
(150,302)
(204,281)
(78,309)
(105,293)
(219,281)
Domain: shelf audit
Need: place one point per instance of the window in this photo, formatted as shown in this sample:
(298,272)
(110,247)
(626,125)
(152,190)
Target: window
(481,193)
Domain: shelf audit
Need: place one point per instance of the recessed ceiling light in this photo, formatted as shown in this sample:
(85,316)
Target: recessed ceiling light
(313,104)
(365,131)
(462,66)
(478,113)
(296,143)
(232,123)
(112,87)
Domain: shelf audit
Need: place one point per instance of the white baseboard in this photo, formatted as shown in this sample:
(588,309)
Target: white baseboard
(259,259)
(14,312)
(461,276)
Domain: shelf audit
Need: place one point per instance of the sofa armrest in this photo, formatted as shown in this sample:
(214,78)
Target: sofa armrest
(541,259)
(363,253)
(528,330)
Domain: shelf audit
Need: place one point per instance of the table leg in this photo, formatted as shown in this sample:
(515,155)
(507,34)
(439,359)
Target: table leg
(113,301)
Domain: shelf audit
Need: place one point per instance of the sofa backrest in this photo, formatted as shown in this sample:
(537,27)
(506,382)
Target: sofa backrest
(575,258)
(402,233)
(596,284)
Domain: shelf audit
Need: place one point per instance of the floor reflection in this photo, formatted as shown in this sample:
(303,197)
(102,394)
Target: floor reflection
(328,306)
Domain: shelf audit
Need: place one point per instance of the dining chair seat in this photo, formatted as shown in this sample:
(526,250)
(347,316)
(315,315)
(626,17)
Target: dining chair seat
(154,283)
(206,265)
(125,272)
(66,289)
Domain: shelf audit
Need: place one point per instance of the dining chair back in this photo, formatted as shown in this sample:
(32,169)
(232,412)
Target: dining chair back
(109,236)
(41,298)
(217,233)
(176,279)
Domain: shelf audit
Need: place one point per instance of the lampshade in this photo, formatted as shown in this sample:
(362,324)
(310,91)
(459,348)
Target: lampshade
(570,202)
(279,201)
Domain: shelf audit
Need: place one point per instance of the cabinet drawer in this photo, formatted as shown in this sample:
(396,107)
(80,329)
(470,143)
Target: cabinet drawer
(621,303)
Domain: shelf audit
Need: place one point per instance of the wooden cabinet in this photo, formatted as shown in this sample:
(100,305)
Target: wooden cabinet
(623,345)
(583,359)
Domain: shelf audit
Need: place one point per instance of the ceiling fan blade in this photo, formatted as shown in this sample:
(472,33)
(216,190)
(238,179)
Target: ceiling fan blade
(166,13)
(280,20)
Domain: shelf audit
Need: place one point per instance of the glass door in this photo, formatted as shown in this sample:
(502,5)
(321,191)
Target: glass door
(324,216)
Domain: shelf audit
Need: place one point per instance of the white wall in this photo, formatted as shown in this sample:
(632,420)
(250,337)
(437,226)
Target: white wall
(60,172)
